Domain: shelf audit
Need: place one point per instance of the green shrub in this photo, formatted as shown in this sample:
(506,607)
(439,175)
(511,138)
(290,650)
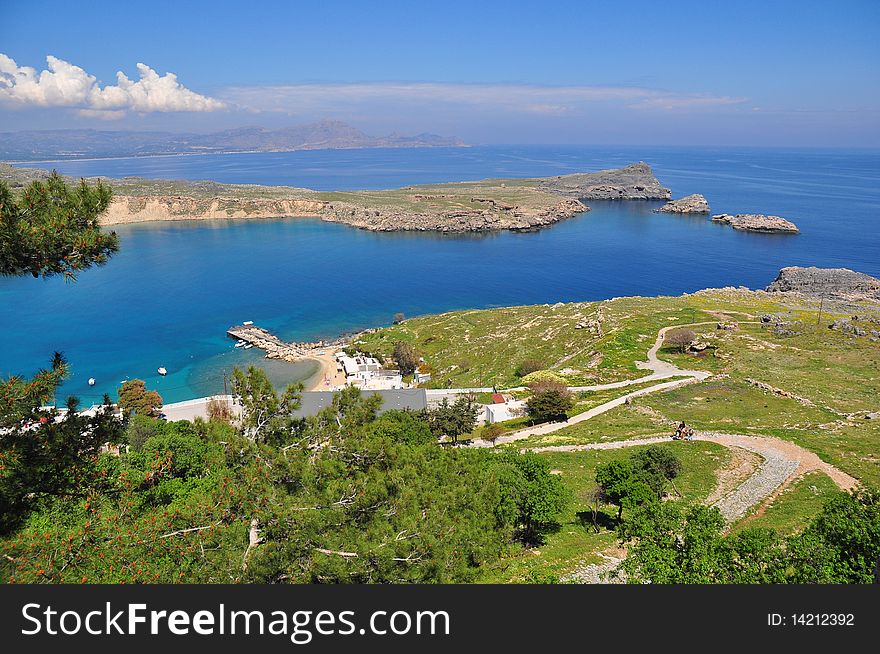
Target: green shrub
(188,452)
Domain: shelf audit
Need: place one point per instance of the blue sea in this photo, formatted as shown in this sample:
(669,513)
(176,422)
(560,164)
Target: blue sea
(172,291)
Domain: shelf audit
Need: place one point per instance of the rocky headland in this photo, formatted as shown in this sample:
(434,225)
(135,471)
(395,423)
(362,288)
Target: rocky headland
(695,203)
(753,222)
(633,182)
(841,283)
(487,205)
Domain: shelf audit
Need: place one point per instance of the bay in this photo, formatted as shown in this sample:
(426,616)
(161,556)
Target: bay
(174,288)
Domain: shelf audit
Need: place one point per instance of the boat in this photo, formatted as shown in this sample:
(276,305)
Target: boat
(248,346)
(91,381)
(239,344)
(248,322)
(162,371)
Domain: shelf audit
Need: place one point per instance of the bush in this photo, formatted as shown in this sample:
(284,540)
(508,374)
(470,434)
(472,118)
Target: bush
(544,376)
(140,429)
(551,404)
(407,358)
(528,366)
(187,450)
(219,410)
(541,385)
(679,338)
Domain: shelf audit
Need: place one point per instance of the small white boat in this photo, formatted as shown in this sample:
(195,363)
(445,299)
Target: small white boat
(248,322)
(239,344)
(91,381)
(162,371)
(248,346)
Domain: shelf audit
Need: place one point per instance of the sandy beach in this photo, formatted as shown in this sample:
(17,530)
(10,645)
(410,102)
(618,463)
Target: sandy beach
(328,376)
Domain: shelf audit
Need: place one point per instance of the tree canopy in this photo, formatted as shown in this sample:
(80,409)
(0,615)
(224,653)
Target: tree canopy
(134,398)
(346,496)
(406,356)
(670,543)
(453,420)
(549,404)
(52,228)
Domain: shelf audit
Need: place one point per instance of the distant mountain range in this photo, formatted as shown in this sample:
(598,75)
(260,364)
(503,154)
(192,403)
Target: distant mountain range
(82,143)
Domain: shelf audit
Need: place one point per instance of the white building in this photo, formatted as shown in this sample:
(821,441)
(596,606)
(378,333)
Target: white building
(507,410)
(367,373)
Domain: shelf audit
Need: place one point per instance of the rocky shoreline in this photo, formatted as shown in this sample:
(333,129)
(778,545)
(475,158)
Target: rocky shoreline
(522,204)
(482,206)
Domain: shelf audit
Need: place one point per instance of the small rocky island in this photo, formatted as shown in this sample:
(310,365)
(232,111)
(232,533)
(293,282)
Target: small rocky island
(695,203)
(753,222)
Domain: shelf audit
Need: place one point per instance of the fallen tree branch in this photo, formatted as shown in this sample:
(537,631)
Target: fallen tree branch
(347,555)
(186,531)
(254,539)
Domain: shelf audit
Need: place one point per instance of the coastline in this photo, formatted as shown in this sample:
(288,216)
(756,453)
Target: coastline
(487,205)
(165,155)
(326,376)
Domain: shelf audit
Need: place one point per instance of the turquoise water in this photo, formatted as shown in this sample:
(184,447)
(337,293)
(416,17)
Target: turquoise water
(167,298)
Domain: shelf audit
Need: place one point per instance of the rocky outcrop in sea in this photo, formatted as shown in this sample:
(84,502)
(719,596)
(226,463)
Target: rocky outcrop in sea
(756,222)
(826,282)
(695,203)
(633,182)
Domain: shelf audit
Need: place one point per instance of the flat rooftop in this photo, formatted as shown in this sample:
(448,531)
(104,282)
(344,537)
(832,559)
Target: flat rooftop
(414,399)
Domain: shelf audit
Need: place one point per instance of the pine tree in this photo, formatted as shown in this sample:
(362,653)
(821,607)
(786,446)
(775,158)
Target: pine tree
(52,228)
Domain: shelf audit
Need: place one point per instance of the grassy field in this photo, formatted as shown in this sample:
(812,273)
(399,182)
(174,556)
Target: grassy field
(576,542)
(487,194)
(469,348)
(802,382)
(805,383)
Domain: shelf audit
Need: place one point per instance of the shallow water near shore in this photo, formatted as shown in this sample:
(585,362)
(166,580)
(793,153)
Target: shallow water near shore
(172,291)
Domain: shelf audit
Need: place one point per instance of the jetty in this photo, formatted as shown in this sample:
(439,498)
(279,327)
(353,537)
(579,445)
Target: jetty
(273,346)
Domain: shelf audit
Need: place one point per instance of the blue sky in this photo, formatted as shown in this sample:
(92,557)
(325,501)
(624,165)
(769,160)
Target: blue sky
(737,73)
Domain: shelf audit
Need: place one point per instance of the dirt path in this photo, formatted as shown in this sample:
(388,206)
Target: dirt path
(782,462)
(659,370)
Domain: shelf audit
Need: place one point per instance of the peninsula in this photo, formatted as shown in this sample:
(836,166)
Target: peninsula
(515,204)
(486,205)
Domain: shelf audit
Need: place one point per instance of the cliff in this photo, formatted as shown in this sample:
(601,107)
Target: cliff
(140,209)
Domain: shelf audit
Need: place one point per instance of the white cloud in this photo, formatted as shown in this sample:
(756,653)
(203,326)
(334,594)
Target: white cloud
(514,98)
(65,85)
(672,102)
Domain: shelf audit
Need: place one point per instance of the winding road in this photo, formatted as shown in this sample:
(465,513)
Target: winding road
(783,461)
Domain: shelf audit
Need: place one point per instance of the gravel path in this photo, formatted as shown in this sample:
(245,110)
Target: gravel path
(783,462)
